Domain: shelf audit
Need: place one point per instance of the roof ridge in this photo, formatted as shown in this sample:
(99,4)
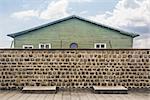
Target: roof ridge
(67,18)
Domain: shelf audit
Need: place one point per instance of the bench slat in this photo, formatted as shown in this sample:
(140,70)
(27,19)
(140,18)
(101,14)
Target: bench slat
(110,89)
(39,89)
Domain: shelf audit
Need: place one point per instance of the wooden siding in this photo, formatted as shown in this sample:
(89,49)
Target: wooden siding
(61,35)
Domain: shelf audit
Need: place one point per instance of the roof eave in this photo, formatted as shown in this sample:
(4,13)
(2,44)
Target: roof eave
(11,35)
(135,35)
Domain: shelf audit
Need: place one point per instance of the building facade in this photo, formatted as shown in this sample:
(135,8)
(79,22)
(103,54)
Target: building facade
(73,32)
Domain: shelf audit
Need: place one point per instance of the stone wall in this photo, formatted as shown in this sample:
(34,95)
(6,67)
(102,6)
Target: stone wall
(74,68)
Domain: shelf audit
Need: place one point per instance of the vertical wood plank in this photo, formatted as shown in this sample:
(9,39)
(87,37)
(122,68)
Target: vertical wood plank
(74,95)
(82,95)
(33,97)
(91,96)
(3,93)
(8,95)
(99,96)
(66,95)
(50,97)
(25,96)
(58,96)
(41,97)
(16,96)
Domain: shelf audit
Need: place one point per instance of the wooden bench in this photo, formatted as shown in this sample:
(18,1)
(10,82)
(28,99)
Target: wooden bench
(39,89)
(110,89)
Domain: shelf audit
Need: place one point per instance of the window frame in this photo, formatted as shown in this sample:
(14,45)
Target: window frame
(49,44)
(28,46)
(100,45)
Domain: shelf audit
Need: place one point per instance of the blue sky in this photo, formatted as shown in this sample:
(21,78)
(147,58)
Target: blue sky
(128,15)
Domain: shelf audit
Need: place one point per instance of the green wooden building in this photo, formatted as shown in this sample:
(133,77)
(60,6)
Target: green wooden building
(73,32)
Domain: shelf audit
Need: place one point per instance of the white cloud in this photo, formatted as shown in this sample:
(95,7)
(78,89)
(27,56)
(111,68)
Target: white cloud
(142,41)
(56,9)
(127,13)
(5,42)
(83,12)
(25,14)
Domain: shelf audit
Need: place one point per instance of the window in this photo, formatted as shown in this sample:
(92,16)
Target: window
(42,46)
(73,45)
(27,46)
(45,46)
(100,45)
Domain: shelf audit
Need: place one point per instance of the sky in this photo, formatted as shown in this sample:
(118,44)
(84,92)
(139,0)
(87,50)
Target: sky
(128,15)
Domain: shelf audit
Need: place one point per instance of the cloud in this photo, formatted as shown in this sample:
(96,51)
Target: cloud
(142,41)
(55,9)
(5,43)
(25,14)
(127,13)
(83,12)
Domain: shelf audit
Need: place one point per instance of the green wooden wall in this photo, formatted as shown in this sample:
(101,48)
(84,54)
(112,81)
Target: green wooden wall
(61,35)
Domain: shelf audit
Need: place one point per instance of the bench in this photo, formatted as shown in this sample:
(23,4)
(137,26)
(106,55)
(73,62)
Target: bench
(110,90)
(39,89)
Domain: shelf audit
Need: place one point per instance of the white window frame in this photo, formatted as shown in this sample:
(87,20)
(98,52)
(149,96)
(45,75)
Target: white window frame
(28,46)
(40,45)
(44,45)
(95,45)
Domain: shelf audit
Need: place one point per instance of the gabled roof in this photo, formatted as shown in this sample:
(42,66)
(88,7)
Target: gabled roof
(13,35)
